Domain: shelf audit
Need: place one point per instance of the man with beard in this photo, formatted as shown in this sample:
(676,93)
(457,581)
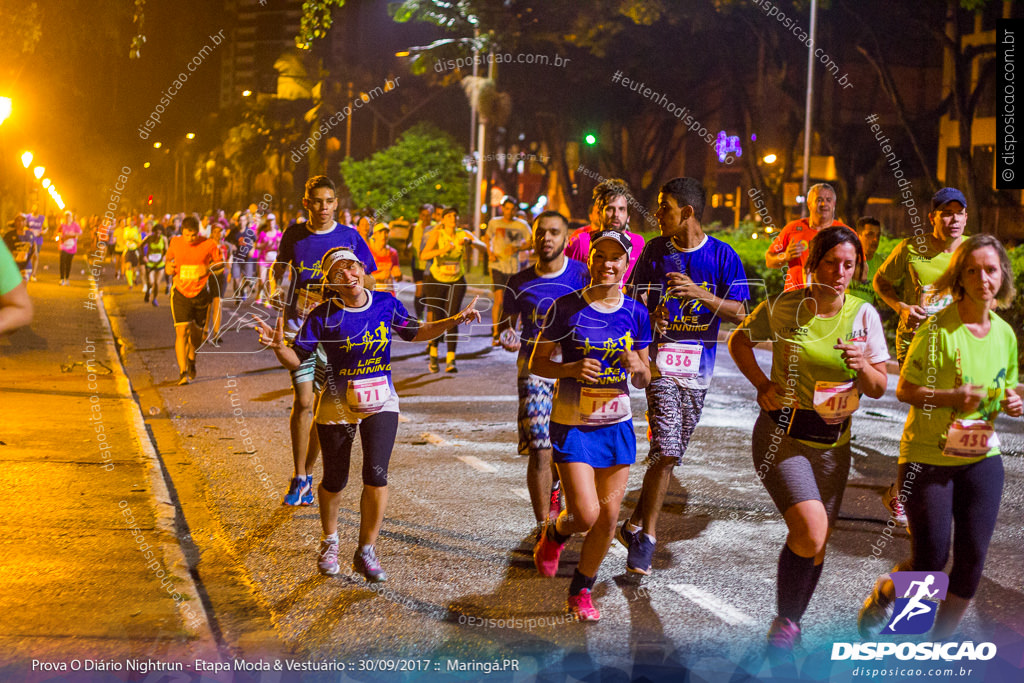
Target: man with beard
(690,282)
(530,294)
(789,249)
(611,207)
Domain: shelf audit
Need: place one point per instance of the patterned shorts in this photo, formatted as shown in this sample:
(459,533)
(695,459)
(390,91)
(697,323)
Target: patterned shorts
(673,413)
(313,369)
(535,396)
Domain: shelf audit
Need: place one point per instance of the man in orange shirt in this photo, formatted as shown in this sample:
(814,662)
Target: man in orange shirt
(790,249)
(189,258)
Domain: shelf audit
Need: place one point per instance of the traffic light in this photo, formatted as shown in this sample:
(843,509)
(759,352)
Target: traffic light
(150,200)
(590,139)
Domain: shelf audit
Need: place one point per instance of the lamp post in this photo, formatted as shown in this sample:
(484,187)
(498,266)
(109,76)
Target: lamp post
(26,161)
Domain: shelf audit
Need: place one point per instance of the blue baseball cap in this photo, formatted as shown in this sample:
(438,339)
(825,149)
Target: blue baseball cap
(947,195)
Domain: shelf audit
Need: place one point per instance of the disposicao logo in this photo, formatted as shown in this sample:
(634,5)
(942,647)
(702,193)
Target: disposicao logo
(914,612)
(917,599)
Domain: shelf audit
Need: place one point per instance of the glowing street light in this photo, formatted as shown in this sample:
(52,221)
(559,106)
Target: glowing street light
(39,171)
(770,158)
(26,159)
(145,165)
(246,93)
(190,136)
(46,183)
(5,108)
(157,145)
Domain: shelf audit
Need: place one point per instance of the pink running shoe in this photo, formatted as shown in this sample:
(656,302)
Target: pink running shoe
(546,554)
(582,607)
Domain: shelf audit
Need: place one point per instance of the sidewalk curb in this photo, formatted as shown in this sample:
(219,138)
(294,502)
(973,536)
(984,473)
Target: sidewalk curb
(165,509)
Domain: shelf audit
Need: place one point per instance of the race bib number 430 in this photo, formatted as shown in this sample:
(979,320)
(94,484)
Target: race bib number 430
(679,360)
(603,406)
(970,439)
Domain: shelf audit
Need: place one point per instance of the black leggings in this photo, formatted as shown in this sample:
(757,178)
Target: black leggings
(378,433)
(65,265)
(965,497)
(443,300)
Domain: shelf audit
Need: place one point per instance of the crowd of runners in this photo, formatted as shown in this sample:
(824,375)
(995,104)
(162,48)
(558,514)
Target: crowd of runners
(590,313)
(599,309)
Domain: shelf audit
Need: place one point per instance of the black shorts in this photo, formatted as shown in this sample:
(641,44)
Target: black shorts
(190,309)
(132,257)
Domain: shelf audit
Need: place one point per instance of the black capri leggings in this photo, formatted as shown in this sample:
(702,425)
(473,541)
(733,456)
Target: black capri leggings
(65,265)
(443,300)
(378,433)
(965,497)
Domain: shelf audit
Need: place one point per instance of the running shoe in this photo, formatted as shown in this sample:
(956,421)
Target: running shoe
(328,562)
(433,366)
(639,554)
(783,636)
(183,379)
(625,536)
(365,562)
(296,490)
(145,299)
(450,367)
(546,554)
(877,609)
(891,501)
(309,497)
(582,606)
(556,501)
(192,368)
(154,302)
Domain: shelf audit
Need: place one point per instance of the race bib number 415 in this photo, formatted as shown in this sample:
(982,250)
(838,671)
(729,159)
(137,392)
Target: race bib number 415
(835,401)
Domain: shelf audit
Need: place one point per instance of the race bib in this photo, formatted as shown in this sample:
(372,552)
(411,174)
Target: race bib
(69,244)
(306,301)
(368,395)
(155,258)
(679,360)
(970,439)
(192,272)
(603,406)
(835,401)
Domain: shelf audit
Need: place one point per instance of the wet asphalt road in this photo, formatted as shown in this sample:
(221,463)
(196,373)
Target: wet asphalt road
(456,540)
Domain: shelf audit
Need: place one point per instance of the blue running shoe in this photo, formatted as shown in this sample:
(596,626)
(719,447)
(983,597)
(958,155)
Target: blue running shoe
(296,490)
(309,497)
(624,536)
(639,554)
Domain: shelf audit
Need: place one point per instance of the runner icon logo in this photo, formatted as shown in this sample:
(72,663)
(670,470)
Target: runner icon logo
(917,597)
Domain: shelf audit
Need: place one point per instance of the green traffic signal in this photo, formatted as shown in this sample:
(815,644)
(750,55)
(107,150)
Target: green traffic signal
(590,139)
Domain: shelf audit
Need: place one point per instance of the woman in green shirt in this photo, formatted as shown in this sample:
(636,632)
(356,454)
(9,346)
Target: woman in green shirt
(828,348)
(444,286)
(959,374)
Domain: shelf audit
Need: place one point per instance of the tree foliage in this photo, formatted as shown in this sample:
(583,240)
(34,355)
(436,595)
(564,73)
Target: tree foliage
(423,166)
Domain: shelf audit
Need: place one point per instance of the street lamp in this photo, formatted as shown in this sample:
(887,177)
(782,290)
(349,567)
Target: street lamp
(5,109)
(157,145)
(190,136)
(46,183)
(770,158)
(26,159)
(38,171)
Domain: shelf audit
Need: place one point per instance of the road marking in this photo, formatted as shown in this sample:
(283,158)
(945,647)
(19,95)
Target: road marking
(720,609)
(477,464)
(522,493)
